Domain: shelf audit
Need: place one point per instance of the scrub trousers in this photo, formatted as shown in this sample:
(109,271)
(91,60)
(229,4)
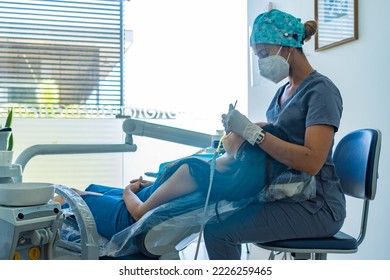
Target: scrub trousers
(258,223)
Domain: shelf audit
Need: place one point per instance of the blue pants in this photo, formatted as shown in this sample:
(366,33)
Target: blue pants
(109,211)
(271,221)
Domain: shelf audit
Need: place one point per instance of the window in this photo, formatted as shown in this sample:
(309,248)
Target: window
(61,57)
(187,61)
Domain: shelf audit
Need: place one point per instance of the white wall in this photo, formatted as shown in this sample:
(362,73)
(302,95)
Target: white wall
(360,70)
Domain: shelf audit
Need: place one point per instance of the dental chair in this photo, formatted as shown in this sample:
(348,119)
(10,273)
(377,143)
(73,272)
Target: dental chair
(157,235)
(160,234)
(356,158)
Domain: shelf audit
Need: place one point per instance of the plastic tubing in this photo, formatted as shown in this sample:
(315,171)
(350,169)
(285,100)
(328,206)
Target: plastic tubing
(213,165)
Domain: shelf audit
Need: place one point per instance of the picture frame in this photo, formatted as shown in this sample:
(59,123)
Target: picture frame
(337,23)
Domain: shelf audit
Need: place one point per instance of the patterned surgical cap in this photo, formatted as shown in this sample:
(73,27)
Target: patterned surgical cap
(279,28)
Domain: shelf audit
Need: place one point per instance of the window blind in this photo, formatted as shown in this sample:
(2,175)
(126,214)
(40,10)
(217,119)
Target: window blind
(60,57)
(336,22)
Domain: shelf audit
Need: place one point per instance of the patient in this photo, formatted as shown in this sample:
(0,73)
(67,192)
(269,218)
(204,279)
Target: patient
(236,176)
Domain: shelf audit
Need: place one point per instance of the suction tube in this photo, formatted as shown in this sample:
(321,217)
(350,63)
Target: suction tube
(213,165)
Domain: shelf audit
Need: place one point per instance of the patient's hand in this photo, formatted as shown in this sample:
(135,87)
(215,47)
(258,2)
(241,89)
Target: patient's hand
(138,184)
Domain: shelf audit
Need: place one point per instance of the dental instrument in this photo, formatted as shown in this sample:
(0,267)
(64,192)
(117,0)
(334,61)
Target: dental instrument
(213,164)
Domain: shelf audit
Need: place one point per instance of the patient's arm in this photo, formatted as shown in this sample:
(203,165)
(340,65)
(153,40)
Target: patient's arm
(138,184)
(179,184)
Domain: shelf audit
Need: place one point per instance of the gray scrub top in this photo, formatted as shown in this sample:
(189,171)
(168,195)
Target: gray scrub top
(317,101)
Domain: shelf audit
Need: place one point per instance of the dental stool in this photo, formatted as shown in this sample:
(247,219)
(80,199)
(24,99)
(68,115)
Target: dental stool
(356,159)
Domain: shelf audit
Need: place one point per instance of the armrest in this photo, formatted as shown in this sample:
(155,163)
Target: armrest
(85,221)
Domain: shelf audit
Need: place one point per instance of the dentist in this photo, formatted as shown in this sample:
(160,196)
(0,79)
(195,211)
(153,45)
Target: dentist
(308,108)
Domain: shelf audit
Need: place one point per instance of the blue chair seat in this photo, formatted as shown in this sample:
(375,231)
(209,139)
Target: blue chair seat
(340,241)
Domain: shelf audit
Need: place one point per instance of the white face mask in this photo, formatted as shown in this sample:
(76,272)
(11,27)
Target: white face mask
(274,67)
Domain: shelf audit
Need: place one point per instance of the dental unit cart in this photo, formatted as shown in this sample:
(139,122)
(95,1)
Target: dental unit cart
(27,217)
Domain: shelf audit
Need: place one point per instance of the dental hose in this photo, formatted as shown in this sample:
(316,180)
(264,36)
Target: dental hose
(213,164)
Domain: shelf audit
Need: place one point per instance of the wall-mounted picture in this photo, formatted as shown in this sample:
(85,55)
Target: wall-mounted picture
(337,22)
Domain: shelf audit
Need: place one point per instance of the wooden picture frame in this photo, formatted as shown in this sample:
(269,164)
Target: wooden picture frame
(337,22)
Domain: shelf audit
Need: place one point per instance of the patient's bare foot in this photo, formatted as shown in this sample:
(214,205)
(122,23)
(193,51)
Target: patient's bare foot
(59,199)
